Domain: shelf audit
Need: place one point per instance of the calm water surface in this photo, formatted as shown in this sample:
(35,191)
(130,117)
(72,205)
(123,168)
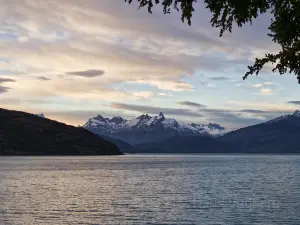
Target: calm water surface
(152,189)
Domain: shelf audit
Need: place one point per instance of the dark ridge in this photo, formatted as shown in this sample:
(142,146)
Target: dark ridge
(122,145)
(280,136)
(187,144)
(27,134)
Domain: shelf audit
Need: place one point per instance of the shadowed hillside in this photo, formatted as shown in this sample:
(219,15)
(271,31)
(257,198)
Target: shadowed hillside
(26,134)
(188,144)
(280,135)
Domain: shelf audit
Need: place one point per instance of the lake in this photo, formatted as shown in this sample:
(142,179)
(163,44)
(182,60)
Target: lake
(151,189)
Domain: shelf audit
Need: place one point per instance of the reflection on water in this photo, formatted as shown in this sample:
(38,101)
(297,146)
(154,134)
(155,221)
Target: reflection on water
(140,189)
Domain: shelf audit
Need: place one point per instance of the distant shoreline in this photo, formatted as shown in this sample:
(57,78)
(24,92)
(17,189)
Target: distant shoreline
(157,154)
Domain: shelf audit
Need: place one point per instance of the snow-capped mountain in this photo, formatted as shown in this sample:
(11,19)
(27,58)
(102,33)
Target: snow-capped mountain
(41,115)
(146,128)
(296,114)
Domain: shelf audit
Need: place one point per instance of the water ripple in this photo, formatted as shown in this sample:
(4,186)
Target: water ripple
(165,189)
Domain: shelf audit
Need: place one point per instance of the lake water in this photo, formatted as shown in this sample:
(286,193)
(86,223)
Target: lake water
(151,189)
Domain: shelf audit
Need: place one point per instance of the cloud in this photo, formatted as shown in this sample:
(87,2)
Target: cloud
(265,88)
(18,101)
(236,118)
(294,102)
(4,80)
(75,117)
(237,121)
(76,89)
(78,39)
(142,95)
(212,112)
(87,73)
(258,105)
(243,112)
(208,84)
(155,110)
(219,78)
(268,83)
(258,85)
(252,111)
(266,114)
(167,85)
(165,94)
(3,89)
(82,35)
(191,104)
(43,78)
(266,91)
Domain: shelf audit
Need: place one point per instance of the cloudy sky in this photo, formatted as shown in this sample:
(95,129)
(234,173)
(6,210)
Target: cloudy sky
(74,59)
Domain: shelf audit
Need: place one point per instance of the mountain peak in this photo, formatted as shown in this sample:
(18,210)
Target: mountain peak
(215,126)
(100,118)
(161,115)
(117,119)
(41,115)
(296,113)
(144,117)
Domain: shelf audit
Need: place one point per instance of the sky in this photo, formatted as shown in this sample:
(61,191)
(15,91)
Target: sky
(75,59)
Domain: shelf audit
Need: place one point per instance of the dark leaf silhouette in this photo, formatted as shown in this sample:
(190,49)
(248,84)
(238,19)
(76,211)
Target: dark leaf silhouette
(284,28)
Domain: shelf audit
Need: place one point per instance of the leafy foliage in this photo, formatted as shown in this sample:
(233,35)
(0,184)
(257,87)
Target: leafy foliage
(284,28)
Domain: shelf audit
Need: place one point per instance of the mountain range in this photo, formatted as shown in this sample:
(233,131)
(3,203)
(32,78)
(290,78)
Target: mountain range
(146,128)
(158,134)
(27,134)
